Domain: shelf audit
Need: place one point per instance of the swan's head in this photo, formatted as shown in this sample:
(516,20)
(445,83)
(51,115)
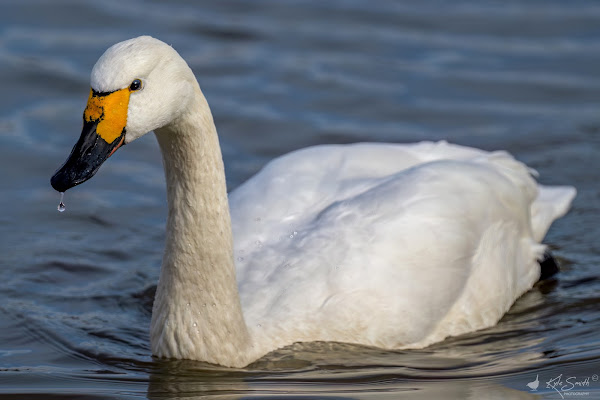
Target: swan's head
(138,85)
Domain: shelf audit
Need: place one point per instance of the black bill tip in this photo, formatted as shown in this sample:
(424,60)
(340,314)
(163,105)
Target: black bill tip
(87,156)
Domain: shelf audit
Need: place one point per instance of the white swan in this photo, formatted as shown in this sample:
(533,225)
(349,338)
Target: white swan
(394,246)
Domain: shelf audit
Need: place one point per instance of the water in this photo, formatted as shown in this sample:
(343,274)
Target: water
(61,206)
(280,75)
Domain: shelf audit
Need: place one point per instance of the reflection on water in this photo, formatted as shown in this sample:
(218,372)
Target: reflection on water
(188,382)
(77,287)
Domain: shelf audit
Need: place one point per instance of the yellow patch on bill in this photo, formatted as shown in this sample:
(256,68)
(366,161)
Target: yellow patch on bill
(110,112)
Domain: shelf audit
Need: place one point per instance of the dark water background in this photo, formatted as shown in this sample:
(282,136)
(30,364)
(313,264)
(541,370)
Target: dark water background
(76,288)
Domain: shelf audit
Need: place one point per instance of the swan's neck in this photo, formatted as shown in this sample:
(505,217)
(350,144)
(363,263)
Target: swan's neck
(197,312)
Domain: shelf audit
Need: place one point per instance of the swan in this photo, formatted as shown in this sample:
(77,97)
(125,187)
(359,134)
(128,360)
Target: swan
(395,246)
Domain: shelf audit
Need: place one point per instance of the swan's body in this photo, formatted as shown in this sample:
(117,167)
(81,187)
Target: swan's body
(394,246)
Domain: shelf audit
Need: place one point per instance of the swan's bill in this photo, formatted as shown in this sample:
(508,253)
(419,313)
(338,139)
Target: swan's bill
(104,121)
(109,111)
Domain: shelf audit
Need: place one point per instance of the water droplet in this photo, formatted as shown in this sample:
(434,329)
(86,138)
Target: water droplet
(259,243)
(258,325)
(188,304)
(204,305)
(195,324)
(295,233)
(61,206)
(240,258)
(291,236)
(214,304)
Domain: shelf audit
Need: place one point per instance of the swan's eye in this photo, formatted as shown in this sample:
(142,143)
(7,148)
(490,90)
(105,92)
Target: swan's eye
(135,85)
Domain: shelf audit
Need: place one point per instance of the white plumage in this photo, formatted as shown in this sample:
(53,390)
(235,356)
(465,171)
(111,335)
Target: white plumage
(395,246)
(387,245)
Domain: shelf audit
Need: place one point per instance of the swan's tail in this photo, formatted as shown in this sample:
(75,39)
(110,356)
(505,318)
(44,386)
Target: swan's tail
(552,202)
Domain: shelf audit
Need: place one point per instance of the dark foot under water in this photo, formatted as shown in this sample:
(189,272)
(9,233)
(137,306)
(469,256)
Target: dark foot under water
(548,265)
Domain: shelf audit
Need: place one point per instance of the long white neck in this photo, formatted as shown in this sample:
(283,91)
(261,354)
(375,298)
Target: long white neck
(197,312)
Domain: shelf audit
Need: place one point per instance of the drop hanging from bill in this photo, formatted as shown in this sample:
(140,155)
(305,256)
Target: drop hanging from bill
(61,206)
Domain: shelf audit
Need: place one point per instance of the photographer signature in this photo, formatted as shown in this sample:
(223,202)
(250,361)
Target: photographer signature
(568,384)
